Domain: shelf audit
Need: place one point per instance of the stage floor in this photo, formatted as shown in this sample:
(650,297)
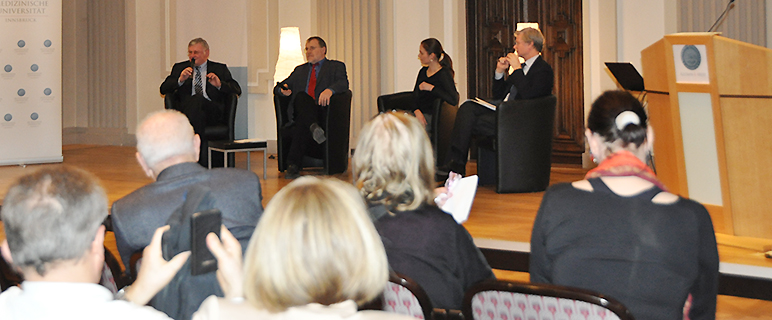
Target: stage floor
(497,221)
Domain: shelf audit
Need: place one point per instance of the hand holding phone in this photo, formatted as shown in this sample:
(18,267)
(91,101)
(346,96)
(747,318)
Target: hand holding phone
(201,224)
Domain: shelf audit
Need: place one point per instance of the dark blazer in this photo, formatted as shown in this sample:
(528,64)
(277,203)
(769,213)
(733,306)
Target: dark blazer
(228,84)
(537,83)
(137,215)
(332,75)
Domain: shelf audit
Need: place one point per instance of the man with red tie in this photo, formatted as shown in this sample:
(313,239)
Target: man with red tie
(311,85)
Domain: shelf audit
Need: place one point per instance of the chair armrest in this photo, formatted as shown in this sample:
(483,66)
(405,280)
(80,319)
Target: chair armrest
(396,101)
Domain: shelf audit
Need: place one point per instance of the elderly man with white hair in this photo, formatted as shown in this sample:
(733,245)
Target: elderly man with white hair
(167,151)
(53,224)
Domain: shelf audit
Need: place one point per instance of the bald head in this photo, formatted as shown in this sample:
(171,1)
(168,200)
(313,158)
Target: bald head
(166,138)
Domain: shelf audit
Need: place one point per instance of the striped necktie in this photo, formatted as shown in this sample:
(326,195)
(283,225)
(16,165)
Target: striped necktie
(197,81)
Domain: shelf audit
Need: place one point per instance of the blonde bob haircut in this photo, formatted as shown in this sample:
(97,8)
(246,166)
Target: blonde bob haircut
(393,164)
(314,243)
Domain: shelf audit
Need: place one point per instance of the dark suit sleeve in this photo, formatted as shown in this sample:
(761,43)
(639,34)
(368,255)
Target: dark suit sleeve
(339,78)
(170,84)
(121,242)
(539,268)
(290,81)
(500,88)
(537,83)
(228,85)
(446,88)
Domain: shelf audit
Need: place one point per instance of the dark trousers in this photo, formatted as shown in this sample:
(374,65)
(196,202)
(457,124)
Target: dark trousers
(306,112)
(201,112)
(471,119)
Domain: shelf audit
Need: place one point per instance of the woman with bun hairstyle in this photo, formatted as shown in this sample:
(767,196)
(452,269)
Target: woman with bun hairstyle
(619,232)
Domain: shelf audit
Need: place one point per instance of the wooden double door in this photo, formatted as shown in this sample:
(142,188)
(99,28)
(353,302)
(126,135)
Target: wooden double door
(490,34)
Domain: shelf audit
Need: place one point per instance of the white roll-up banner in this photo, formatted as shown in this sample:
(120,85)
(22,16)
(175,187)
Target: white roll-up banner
(30,81)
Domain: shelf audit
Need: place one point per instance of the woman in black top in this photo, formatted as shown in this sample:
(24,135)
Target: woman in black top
(394,171)
(435,80)
(619,232)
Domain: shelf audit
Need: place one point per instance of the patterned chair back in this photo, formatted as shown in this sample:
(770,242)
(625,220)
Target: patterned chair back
(404,296)
(504,300)
(112,275)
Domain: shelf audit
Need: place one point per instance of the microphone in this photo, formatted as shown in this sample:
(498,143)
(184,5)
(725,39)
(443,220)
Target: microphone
(193,61)
(728,6)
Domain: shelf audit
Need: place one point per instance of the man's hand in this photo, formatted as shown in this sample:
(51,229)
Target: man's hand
(214,80)
(229,267)
(420,116)
(425,86)
(324,97)
(514,60)
(155,272)
(186,73)
(285,92)
(502,65)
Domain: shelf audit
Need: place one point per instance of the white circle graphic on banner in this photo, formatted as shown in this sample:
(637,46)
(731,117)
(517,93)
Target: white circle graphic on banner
(8,117)
(34,116)
(21,43)
(21,92)
(47,91)
(8,68)
(34,67)
(47,43)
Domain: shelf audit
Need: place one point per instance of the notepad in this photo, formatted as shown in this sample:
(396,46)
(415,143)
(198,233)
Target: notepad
(460,204)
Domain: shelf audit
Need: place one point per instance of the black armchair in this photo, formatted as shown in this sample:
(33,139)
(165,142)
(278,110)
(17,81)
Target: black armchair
(518,158)
(222,132)
(443,118)
(332,155)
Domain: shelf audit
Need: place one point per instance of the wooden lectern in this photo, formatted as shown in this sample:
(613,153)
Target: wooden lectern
(710,105)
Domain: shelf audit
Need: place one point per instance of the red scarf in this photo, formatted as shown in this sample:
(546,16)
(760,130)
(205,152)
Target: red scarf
(623,164)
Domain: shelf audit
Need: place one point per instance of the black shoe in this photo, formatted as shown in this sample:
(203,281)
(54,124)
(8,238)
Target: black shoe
(293,172)
(453,166)
(318,133)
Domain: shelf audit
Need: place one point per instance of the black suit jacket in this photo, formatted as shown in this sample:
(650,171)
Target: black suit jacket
(228,84)
(537,83)
(332,75)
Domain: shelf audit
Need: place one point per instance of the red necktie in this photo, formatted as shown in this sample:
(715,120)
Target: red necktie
(312,81)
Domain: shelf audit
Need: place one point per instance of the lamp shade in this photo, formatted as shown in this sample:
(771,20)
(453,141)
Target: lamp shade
(523,25)
(290,53)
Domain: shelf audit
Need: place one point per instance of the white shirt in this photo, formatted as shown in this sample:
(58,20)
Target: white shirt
(68,300)
(202,69)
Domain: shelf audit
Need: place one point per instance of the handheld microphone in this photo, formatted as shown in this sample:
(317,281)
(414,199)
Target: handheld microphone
(193,63)
(728,6)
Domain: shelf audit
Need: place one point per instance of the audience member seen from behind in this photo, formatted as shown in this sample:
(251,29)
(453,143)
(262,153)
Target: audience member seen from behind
(631,239)
(55,239)
(435,80)
(394,171)
(314,255)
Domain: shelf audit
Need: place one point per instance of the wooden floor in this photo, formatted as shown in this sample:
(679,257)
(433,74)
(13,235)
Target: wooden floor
(505,217)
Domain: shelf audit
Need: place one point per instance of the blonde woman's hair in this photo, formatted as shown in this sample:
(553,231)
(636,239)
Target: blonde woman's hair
(393,163)
(314,243)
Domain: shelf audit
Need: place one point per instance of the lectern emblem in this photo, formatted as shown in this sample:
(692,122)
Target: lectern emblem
(690,57)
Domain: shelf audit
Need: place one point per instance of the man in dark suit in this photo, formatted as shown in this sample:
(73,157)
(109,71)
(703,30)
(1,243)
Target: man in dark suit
(532,79)
(311,85)
(202,85)
(167,150)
